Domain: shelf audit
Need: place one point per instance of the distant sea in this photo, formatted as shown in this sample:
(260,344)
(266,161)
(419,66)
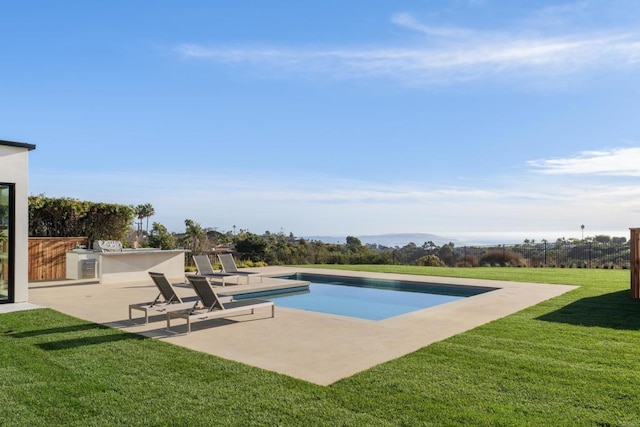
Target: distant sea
(389,240)
(466,239)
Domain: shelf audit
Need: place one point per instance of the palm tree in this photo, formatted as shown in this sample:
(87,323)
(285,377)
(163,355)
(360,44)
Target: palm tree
(149,213)
(194,237)
(144,211)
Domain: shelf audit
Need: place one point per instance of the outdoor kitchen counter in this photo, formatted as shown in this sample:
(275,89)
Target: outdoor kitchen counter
(128,265)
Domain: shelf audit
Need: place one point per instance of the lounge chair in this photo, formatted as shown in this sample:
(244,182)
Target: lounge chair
(213,305)
(166,300)
(229,266)
(203,264)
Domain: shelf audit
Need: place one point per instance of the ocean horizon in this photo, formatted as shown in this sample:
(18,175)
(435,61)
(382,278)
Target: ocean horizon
(466,238)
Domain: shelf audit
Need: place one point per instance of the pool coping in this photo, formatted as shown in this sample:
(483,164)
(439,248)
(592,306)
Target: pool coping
(315,347)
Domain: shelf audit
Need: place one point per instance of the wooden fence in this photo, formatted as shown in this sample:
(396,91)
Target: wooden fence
(48,256)
(634,242)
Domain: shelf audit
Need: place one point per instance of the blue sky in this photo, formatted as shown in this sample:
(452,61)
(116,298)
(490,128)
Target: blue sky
(455,117)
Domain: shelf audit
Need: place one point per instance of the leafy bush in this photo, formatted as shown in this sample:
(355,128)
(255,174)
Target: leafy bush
(161,238)
(430,261)
(67,217)
(249,264)
(502,258)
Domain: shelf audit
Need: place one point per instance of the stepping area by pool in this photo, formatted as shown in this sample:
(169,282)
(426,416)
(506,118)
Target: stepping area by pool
(315,347)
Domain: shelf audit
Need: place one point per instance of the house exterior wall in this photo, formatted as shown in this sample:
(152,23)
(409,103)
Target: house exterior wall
(14,168)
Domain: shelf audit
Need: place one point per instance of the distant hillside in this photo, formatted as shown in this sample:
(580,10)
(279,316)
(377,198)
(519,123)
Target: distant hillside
(389,240)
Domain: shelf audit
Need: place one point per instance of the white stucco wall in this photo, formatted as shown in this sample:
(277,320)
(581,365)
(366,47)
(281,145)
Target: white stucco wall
(14,168)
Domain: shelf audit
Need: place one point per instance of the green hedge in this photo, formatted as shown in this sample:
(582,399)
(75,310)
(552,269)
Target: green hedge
(65,217)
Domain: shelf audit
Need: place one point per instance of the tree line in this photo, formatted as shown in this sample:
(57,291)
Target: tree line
(66,217)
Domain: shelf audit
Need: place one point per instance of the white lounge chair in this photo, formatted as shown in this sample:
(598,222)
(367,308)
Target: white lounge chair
(213,304)
(167,299)
(229,266)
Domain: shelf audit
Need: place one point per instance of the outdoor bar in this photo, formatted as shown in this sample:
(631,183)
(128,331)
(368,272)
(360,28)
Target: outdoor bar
(110,263)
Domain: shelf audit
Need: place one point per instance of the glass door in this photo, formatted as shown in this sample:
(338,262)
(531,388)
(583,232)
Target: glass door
(6,230)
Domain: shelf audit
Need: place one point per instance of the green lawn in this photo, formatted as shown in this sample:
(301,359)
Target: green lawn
(573,360)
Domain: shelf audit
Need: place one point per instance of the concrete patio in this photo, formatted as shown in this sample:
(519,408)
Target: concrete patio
(315,347)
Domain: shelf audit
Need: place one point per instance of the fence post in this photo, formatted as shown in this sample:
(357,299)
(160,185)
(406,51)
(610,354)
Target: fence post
(634,246)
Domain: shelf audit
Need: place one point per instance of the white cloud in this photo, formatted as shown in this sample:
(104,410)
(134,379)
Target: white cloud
(615,162)
(461,59)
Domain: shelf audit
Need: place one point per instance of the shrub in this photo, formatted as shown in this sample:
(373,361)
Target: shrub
(502,258)
(249,264)
(467,261)
(430,261)
(67,217)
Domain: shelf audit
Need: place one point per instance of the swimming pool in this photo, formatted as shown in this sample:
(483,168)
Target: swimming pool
(371,299)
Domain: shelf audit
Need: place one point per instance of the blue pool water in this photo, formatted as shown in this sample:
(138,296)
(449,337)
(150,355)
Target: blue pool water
(366,298)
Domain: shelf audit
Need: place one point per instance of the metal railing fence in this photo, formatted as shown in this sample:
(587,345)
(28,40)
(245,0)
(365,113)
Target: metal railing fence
(562,255)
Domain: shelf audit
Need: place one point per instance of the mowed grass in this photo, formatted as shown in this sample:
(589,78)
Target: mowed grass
(573,360)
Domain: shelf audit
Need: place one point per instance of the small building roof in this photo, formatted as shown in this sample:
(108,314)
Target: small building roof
(18,144)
